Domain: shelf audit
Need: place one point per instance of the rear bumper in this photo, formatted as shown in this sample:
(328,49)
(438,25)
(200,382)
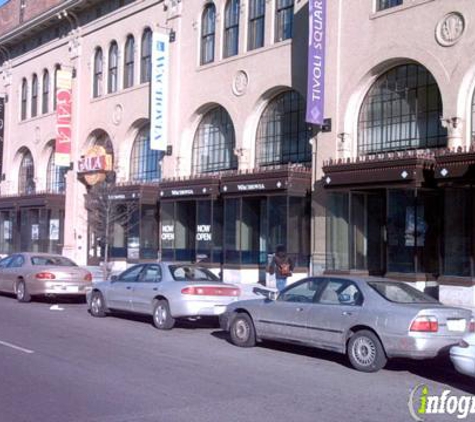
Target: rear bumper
(420,346)
(464,360)
(194,308)
(58,289)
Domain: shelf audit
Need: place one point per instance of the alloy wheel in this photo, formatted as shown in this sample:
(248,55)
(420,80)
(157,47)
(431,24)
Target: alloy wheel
(364,351)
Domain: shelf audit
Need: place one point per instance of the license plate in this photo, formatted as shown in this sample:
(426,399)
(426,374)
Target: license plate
(458,325)
(219,309)
(71,289)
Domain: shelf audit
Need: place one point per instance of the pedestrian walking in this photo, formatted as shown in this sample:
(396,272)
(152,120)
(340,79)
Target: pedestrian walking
(282,266)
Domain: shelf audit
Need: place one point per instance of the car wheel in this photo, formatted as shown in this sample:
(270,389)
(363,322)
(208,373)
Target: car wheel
(366,352)
(242,331)
(98,307)
(162,318)
(22,294)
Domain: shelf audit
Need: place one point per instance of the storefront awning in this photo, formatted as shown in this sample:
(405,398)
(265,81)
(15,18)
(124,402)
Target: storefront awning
(47,200)
(453,165)
(190,188)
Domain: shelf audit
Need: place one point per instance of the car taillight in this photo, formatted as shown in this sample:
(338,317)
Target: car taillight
(88,277)
(211,291)
(45,276)
(425,324)
(471,327)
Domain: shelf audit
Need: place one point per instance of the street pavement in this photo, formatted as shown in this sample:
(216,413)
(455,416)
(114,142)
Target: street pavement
(59,364)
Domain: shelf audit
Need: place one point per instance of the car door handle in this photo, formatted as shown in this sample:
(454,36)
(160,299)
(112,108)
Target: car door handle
(155,289)
(346,313)
(299,309)
(128,287)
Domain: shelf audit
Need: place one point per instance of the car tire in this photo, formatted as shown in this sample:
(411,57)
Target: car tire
(98,307)
(242,331)
(365,352)
(162,318)
(22,294)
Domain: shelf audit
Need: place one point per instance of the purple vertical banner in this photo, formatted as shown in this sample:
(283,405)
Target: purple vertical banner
(316,61)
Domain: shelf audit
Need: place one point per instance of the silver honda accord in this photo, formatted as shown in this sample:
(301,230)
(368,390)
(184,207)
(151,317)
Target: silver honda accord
(369,319)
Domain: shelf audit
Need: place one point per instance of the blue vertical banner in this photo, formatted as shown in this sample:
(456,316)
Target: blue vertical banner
(316,61)
(159,92)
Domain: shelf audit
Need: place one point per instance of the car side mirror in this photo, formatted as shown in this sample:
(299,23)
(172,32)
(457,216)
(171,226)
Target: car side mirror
(114,278)
(273,295)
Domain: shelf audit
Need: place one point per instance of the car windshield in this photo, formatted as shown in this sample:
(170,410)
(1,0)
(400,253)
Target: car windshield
(400,292)
(191,273)
(57,261)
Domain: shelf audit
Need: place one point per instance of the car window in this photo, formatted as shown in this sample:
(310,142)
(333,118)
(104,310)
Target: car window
(191,273)
(5,261)
(341,292)
(57,261)
(400,292)
(151,274)
(17,262)
(131,274)
(301,292)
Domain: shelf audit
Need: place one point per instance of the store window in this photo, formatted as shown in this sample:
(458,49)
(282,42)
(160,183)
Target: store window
(55,176)
(145,162)
(129,62)
(231,28)
(146,56)
(24,98)
(256,25)
(401,111)
(34,96)
(26,176)
(386,4)
(6,231)
(113,68)
(214,143)
(284,18)
(45,96)
(98,70)
(208,28)
(283,135)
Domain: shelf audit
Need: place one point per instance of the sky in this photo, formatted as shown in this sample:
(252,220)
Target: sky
(3,2)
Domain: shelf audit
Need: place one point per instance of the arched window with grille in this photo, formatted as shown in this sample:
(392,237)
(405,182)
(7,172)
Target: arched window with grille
(256,25)
(282,134)
(129,62)
(55,84)
(146,56)
(26,175)
(231,28)
(214,143)
(284,19)
(113,68)
(45,93)
(208,30)
(98,73)
(401,111)
(34,96)
(55,176)
(24,98)
(145,162)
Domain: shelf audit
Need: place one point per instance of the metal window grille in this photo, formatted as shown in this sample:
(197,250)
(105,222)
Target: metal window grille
(386,4)
(284,20)
(401,111)
(45,97)
(208,28)
(26,176)
(98,69)
(231,28)
(214,143)
(129,62)
(55,176)
(113,68)
(34,96)
(145,162)
(282,134)
(24,98)
(257,10)
(146,58)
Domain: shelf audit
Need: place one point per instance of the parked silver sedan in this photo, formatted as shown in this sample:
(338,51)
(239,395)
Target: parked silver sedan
(166,291)
(41,274)
(463,355)
(369,319)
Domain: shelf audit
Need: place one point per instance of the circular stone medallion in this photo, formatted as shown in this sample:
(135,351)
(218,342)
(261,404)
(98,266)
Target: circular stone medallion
(449,29)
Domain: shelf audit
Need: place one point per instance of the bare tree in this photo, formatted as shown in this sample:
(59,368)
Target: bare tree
(107,207)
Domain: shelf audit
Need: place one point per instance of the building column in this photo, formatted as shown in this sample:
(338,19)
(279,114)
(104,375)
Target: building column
(454,126)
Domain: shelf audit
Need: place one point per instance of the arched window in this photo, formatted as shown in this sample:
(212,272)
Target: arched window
(208,28)
(113,67)
(55,82)
(146,56)
(24,98)
(282,134)
(214,143)
(144,165)
(34,96)
(129,62)
(55,181)
(284,18)
(26,176)
(98,71)
(231,28)
(45,96)
(401,111)
(257,14)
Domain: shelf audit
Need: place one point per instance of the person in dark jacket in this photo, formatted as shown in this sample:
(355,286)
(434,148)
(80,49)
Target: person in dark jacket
(282,266)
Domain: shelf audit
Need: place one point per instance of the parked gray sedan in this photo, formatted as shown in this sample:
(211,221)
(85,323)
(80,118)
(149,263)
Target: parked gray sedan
(166,291)
(369,319)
